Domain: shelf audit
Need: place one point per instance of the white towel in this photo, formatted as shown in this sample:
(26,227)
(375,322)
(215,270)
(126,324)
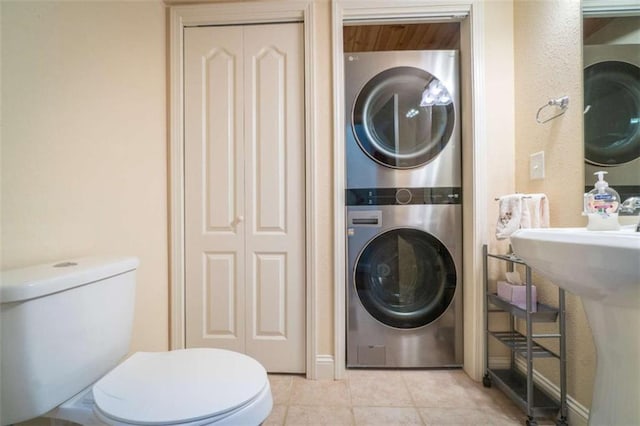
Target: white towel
(525,216)
(510,215)
(537,206)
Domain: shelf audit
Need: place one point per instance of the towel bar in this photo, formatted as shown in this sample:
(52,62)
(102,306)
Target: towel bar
(524,196)
(562,103)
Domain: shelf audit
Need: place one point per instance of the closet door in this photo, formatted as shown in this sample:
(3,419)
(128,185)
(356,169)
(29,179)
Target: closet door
(244,192)
(214,188)
(275,201)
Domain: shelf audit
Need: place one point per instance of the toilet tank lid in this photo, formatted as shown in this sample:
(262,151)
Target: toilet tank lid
(19,285)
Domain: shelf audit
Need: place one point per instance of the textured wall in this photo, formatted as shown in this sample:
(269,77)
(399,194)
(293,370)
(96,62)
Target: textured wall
(499,107)
(548,64)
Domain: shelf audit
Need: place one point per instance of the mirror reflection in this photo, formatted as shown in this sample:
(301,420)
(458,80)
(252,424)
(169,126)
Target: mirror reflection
(612,105)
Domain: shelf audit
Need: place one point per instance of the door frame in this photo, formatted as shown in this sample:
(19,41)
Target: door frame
(251,12)
(474,174)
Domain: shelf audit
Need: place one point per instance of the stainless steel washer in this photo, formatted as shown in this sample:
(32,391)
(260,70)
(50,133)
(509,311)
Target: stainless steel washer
(612,116)
(402,118)
(404,277)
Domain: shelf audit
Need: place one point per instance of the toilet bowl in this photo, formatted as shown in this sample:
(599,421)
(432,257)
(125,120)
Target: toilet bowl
(73,320)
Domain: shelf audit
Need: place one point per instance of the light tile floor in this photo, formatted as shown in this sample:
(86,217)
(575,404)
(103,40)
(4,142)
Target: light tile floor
(390,397)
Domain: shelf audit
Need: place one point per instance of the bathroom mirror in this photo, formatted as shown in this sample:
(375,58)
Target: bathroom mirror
(611,54)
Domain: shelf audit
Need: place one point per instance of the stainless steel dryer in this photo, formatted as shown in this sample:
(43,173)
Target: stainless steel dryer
(612,116)
(404,277)
(402,118)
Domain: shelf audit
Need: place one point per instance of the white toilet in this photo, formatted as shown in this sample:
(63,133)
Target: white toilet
(67,326)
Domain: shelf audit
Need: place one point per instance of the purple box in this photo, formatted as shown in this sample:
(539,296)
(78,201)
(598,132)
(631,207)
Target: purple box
(517,295)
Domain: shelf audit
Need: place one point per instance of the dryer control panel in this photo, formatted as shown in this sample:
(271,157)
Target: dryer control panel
(403,196)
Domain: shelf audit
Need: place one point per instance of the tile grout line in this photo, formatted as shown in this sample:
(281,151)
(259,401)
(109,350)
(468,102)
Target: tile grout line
(353,414)
(286,406)
(413,400)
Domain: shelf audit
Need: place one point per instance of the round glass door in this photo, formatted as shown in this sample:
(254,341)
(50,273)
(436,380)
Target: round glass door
(612,113)
(405,278)
(403,117)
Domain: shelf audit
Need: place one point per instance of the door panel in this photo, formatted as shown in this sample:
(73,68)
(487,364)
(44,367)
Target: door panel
(214,169)
(274,125)
(270,290)
(244,194)
(268,109)
(220,296)
(220,98)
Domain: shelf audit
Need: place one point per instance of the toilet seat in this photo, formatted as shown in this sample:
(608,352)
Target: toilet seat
(189,386)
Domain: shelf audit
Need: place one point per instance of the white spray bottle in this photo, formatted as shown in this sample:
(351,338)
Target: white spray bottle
(601,206)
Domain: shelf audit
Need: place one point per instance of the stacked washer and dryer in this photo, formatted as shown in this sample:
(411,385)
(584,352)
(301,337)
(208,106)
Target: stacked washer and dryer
(404,209)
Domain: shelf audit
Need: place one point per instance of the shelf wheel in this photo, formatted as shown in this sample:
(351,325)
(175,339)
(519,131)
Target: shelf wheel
(486,381)
(531,421)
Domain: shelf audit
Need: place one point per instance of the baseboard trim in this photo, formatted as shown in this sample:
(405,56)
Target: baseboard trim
(499,362)
(324,367)
(578,414)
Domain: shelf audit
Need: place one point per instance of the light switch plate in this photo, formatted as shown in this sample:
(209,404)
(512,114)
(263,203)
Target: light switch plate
(536,166)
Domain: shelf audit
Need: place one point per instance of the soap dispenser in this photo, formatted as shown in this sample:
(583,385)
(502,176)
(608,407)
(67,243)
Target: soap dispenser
(601,206)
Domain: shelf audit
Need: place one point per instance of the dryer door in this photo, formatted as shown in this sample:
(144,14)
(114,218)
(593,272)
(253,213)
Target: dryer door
(612,113)
(403,117)
(405,278)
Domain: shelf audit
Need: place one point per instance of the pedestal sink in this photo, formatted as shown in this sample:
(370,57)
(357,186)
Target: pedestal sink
(603,268)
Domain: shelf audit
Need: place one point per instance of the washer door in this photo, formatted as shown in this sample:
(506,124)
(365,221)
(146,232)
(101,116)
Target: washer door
(403,117)
(612,113)
(405,278)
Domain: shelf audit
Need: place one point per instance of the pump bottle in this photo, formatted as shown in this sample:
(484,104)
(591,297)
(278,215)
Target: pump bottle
(601,206)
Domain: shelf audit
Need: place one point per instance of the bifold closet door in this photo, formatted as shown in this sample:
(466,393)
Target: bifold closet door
(244,192)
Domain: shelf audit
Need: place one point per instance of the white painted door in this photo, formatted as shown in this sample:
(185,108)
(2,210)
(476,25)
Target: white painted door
(244,192)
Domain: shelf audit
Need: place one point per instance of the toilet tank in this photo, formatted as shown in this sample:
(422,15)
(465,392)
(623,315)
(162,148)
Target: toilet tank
(63,326)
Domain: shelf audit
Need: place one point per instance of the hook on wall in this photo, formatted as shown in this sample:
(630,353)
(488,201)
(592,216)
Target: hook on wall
(562,103)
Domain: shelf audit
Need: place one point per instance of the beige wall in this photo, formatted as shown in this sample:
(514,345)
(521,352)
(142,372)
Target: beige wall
(499,118)
(84,146)
(500,110)
(548,64)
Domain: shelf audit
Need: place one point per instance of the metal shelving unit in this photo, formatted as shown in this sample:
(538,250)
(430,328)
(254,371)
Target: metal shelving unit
(517,384)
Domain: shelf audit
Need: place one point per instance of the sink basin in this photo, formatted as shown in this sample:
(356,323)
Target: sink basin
(603,268)
(600,265)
